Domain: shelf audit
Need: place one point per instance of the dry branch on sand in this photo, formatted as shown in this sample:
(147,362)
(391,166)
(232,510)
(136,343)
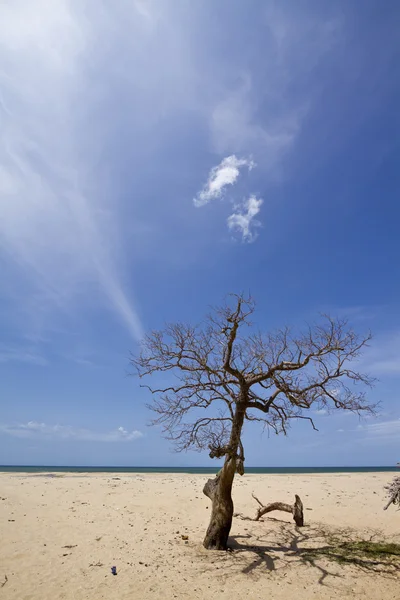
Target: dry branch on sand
(393,491)
(295,509)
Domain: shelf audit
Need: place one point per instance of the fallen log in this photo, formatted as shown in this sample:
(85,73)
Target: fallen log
(295,509)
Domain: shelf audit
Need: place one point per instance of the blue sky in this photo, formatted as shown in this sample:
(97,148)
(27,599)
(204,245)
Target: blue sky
(156,156)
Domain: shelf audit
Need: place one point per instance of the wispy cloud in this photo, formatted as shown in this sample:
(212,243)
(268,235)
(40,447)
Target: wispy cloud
(383,356)
(221,176)
(25,355)
(355,313)
(57,227)
(35,430)
(70,72)
(385,431)
(243,219)
(235,128)
(383,428)
(298,42)
(375,432)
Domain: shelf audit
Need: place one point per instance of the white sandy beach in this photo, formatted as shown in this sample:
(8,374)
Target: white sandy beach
(60,536)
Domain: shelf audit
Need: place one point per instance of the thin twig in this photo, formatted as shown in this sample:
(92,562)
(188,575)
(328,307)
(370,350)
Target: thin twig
(260,503)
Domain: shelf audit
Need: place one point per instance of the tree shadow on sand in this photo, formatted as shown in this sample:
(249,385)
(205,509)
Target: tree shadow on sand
(314,546)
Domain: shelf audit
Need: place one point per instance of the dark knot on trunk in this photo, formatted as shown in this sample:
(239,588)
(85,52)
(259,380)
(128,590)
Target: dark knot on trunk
(218,451)
(240,466)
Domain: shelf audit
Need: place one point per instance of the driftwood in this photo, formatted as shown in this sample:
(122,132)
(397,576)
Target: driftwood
(393,491)
(295,509)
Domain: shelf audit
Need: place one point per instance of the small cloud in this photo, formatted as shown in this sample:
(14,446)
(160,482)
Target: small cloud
(340,430)
(35,430)
(243,220)
(124,434)
(321,411)
(226,173)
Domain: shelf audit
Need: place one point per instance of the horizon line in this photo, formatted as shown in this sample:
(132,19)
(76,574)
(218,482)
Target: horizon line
(199,467)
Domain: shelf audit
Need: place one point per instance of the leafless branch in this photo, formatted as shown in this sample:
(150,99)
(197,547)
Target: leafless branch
(235,373)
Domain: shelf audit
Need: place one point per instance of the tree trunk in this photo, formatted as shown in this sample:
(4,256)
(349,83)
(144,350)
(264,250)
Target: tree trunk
(219,489)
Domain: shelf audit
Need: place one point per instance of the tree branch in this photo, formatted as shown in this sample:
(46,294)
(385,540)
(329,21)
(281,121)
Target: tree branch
(271,379)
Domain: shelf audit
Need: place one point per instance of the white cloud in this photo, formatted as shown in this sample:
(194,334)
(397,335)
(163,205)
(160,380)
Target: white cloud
(243,220)
(259,112)
(35,430)
(57,227)
(226,173)
(321,411)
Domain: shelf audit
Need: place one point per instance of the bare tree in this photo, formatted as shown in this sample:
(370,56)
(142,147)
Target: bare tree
(227,373)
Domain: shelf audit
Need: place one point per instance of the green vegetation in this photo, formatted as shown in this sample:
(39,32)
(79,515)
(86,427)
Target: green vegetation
(361,553)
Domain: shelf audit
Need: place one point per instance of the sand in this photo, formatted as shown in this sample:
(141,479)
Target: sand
(61,535)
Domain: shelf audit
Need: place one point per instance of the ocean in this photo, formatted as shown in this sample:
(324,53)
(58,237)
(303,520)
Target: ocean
(193,470)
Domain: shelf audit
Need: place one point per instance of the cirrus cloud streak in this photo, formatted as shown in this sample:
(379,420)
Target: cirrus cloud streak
(43,431)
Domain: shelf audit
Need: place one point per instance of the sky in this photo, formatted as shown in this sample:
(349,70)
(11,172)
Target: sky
(158,155)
